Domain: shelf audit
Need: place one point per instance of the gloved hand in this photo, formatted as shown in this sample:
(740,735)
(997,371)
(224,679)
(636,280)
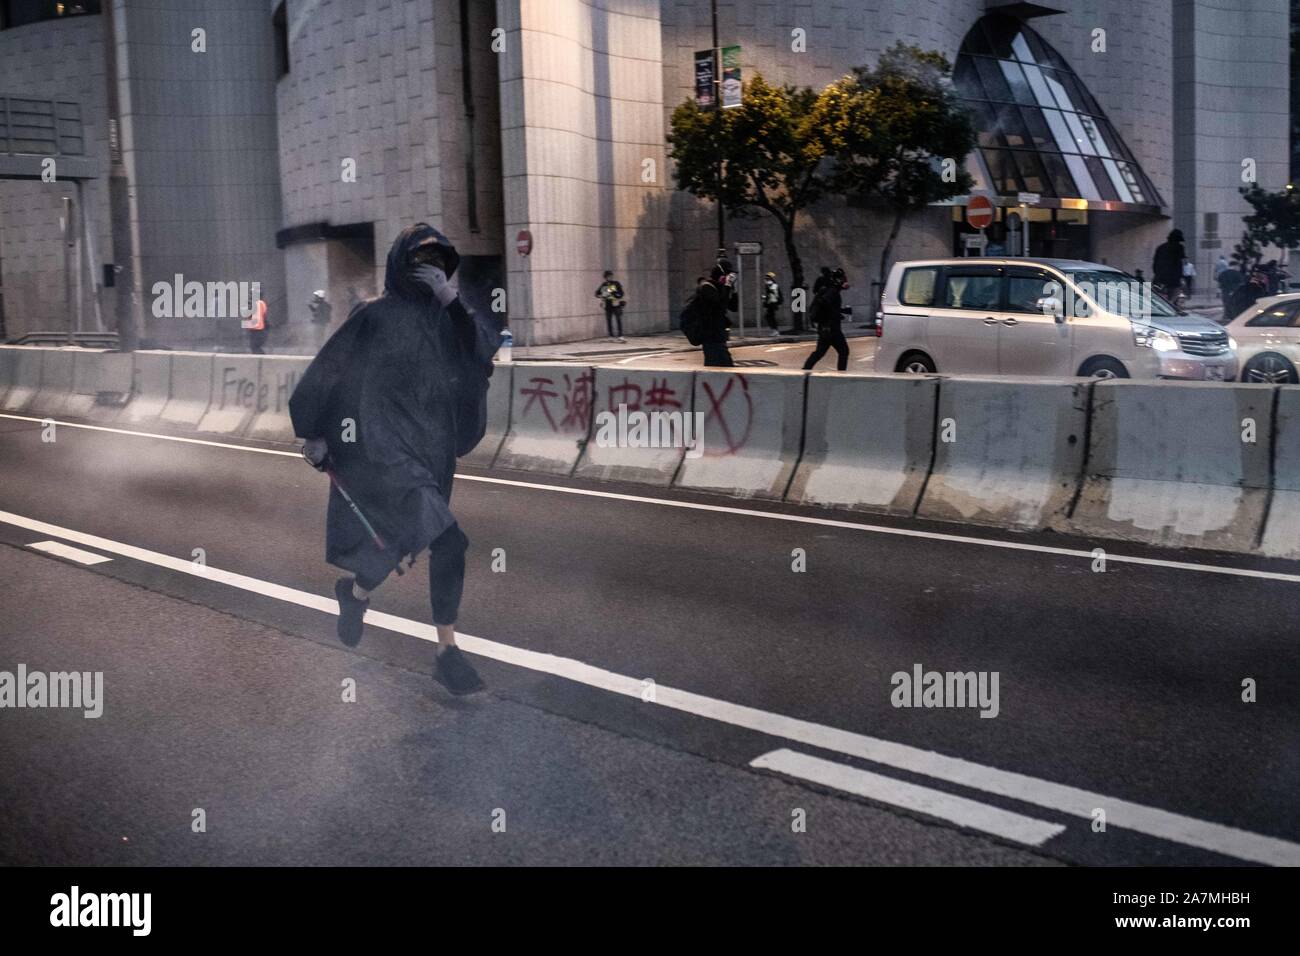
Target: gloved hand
(317,453)
(437,282)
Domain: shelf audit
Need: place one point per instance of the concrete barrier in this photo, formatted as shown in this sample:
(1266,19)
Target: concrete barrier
(1008,451)
(26,381)
(189,390)
(101,385)
(56,381)
(753,426)
(8,370)
(868,440)
(234,394)
(278,376)
(498,419)
(1171,463)
(150,388)
(1282,527)
(647,447)
(550,418)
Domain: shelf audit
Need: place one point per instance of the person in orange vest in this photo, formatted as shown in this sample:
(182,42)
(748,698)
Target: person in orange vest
(256,326)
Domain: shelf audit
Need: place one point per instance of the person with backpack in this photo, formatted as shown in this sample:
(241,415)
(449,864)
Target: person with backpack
(610,292)
(704,320)
(772,299)
(386,407)
(826,315)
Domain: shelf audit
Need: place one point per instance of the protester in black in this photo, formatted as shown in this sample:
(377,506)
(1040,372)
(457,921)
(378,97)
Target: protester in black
(713,299)
(1167,265)
(395,395)
(827,314)
(1249,293)
(1230,280)
(610,292)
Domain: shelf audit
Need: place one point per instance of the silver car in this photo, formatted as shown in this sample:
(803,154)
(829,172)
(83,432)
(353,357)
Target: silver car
(1057,317)
(1268,337)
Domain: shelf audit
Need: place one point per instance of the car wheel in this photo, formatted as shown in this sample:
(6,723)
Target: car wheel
(916,363)
(1269,368)
(1103,367)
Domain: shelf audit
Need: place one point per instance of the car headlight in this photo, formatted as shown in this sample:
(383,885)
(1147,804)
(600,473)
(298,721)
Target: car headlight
(1162,341)
(1232,343)
(1158,339)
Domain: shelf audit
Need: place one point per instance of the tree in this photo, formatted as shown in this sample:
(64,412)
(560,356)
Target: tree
(897,135)
(754,158)
(1274,221)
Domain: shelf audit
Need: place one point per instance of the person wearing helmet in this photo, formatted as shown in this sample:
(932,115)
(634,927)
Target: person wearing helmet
(772,299)
(322,313)
(393,398)
(826,314)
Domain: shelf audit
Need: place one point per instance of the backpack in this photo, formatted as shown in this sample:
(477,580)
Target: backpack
(691,321)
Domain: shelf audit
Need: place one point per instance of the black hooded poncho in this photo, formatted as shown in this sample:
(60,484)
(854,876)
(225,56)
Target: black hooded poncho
(413,377)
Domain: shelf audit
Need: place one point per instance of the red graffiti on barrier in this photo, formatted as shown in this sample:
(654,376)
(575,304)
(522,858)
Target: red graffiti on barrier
(659,395)
(734,418)
(577,400)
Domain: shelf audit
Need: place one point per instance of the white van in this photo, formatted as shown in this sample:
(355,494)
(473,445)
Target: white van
(1058,317)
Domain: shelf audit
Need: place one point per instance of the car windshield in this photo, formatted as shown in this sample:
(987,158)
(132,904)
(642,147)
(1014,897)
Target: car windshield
(1120,293)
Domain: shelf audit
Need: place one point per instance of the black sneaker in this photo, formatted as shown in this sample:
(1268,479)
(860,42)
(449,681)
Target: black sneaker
(351,612)
(453,672)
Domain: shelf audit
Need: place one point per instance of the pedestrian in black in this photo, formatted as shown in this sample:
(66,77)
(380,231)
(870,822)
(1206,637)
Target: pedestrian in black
(610,292)
(714,298)
(1167,265)
(393,398)
(822,281)
(1230,280)
(1250,292)
(826,315)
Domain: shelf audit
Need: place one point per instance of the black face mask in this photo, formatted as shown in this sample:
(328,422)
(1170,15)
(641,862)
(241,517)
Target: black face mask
(429,254)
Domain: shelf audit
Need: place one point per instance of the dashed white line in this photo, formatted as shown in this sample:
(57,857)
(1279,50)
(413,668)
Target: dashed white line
(935,803)
(61,550)
(1175,827)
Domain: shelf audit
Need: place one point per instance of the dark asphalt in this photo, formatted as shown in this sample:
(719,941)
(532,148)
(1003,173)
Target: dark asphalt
(1126,683)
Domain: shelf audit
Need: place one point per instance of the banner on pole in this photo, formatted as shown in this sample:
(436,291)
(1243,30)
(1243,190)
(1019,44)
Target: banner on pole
(731,85)
(704,79)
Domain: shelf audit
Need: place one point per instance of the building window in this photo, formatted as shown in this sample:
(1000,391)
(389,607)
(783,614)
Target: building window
(281,23)
(1040,130)
(16,13)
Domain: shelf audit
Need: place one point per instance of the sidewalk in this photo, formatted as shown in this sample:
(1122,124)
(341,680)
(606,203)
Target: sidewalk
(599,349)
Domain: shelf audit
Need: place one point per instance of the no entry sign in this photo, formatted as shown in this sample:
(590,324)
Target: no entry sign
(524,242)
(979,211)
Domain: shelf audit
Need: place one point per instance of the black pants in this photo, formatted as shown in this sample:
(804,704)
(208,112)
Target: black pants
(769,313)
(826,340)
(257,341)
(446,575)
(614,320)
(717,353)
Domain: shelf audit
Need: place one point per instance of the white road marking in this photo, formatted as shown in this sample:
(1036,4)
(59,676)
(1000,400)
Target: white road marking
(643,355)
(140,434)
(935,803)
(1215,837)
(753,513)
(61,550)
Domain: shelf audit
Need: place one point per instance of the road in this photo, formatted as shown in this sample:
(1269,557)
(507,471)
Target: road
(664,684)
